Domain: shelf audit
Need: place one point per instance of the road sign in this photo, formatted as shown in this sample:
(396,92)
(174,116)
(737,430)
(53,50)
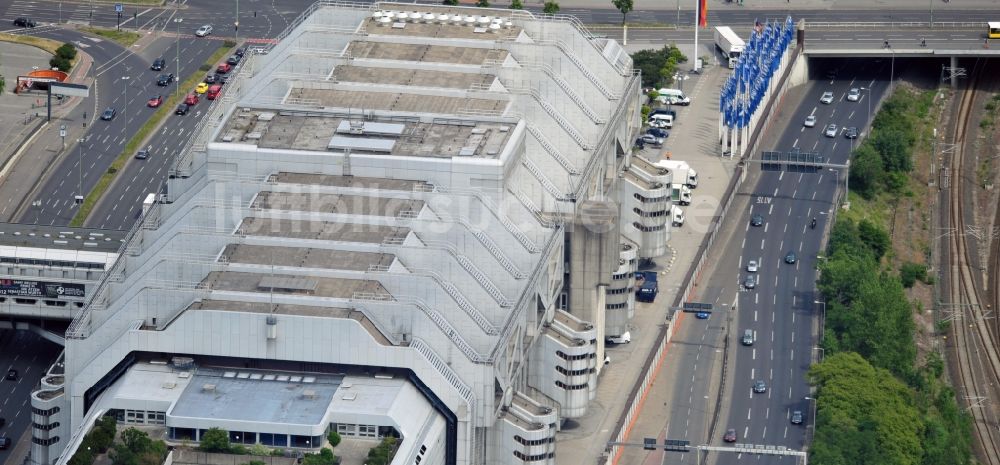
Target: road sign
(119,8)
(62,130)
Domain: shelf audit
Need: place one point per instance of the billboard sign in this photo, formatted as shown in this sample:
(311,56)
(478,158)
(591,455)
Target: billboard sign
(40,289)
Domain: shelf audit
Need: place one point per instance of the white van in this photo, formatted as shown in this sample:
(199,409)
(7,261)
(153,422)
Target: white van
(672,97)
(677,215)
(661,121)
(625,338)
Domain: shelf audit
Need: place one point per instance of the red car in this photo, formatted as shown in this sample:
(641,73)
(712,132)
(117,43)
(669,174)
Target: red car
(191,99)
(730,435)
(155,101)
(224,68)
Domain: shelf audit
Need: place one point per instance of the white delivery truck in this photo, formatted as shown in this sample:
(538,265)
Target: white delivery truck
(731,44)
(672,97)
(677,216)
(148,203)
(680,194)
(661,121)
(682,172)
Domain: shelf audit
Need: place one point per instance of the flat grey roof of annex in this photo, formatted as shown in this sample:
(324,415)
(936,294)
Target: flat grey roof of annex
(247,395)
(60,237)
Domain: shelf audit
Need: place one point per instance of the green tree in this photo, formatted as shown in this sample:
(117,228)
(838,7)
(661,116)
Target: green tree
(67,51)
(449,2)
(867,171)
(874,237)
(864,415)
(382,453)
(334,438)
(624,6)
(59,63)
(84,455)
(324,457)
(516,5)
(135,440)
(658,66)
(215,440)
(550,8)
(483,3)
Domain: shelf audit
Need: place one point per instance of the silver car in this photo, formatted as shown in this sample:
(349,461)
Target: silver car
(810,121)
(204,30)
(831,131)
(752,266)
(854,95)
(827,98)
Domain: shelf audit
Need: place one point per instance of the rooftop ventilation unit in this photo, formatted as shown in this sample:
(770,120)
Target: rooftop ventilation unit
(356,127)
(308,394)
(207,388)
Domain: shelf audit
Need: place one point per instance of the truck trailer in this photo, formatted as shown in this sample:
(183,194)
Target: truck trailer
(731,44)
(682,172)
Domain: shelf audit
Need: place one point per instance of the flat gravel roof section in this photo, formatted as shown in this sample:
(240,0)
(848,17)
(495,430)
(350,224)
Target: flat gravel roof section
(323,230)
(397,101)
(237,396)
(338,288)
(424,53)
(412,77)
(330,180)
(305,257)
(337,203)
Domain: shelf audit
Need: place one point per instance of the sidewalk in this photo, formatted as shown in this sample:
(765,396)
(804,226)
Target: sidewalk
(584,439)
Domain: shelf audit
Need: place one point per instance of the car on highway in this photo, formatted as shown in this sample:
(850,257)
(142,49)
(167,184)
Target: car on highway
(164,79)
(233,60)
(827,98)
(747,339)
(210,79)
(201,88)
(797,417)
(11,375)
(155,101)
(223,68)
(191,99)
(752,266)
(4,442)
(109,114)
(240,52)
(223,79)
(757,220)
(750,282)
(213,92)
(759,386)
(702,315)
(651,140)
(851,132)
(182,109)
(204,30)
(730,435)
(24,22)
(854,95)
(810,121)
(158,64)
(831,130)
(143,154)
(790,258)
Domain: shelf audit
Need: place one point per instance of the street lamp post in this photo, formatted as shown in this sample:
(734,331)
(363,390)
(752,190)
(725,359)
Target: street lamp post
(79,145)
(812,412)
(177,48)
(125,109)
(822,320)
(868,93)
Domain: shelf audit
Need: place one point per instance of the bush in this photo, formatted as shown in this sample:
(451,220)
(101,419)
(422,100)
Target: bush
(205,67)
(67,51)
(215,440)
(334,438)
(255,462)
(450,2)
(909,273)
(550,8)
(238,449)
(645,111)
(277,453)
(60,63)
(83,455)
(228,44)
(382,453)
(516,5)
(259,450)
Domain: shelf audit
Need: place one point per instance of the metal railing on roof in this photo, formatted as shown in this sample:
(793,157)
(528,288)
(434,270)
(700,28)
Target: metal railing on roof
(494,209)
(551,149)
(460,300)
(549,186)
(581,66)
(570,91)
(446,372)
(472,269)
(607,135)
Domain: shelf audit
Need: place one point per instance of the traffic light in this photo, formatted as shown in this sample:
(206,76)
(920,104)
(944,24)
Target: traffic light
(676,445)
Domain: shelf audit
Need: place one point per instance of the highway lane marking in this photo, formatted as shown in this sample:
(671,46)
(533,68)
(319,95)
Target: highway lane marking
(786,228)
(782,246)
(753,355)
(820,179)
(851,116)
(756,297)
(789,211)
(800,180)
(834,147)
(775,192)
(767,413)
(800,246)
(746,430)
(772,316)
(765,428)
(762,244)
(771,208)
(814,196)
(774,299)
(795,284)
(765,227)
(780,176)
(743,245)
(793,337)
(815,145)
(786,432)
(775,281)
(789,392)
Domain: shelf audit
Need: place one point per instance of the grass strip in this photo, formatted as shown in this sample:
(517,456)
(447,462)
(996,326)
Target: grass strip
(48,45)
(165,110)
(130,3)
(123,38)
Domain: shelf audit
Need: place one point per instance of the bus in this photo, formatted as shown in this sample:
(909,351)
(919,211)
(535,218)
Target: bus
(994,30)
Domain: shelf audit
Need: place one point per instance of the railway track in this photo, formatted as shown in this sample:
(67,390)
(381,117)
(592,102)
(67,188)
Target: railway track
(973,337)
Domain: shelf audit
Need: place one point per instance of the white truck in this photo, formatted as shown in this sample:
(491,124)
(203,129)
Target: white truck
(680,194)
(677,216)
(682,172)
(731,44)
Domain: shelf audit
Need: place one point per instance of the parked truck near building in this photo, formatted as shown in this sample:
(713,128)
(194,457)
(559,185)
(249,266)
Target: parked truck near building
(682,172)
(677,216)
(680,194)
(731,44)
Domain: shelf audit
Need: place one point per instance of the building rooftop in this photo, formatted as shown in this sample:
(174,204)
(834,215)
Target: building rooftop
(306,257)
(328,180)
(60,237)
(340,288)
(257,396)
(323,230)
(322,132)
(412,77)
(425,53)
(338,203)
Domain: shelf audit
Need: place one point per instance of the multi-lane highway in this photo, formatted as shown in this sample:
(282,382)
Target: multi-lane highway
(781,309)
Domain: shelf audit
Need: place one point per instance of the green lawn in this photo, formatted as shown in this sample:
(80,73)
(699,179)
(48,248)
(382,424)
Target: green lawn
(125,38)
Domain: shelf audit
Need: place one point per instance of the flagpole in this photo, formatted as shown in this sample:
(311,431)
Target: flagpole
(697,24)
